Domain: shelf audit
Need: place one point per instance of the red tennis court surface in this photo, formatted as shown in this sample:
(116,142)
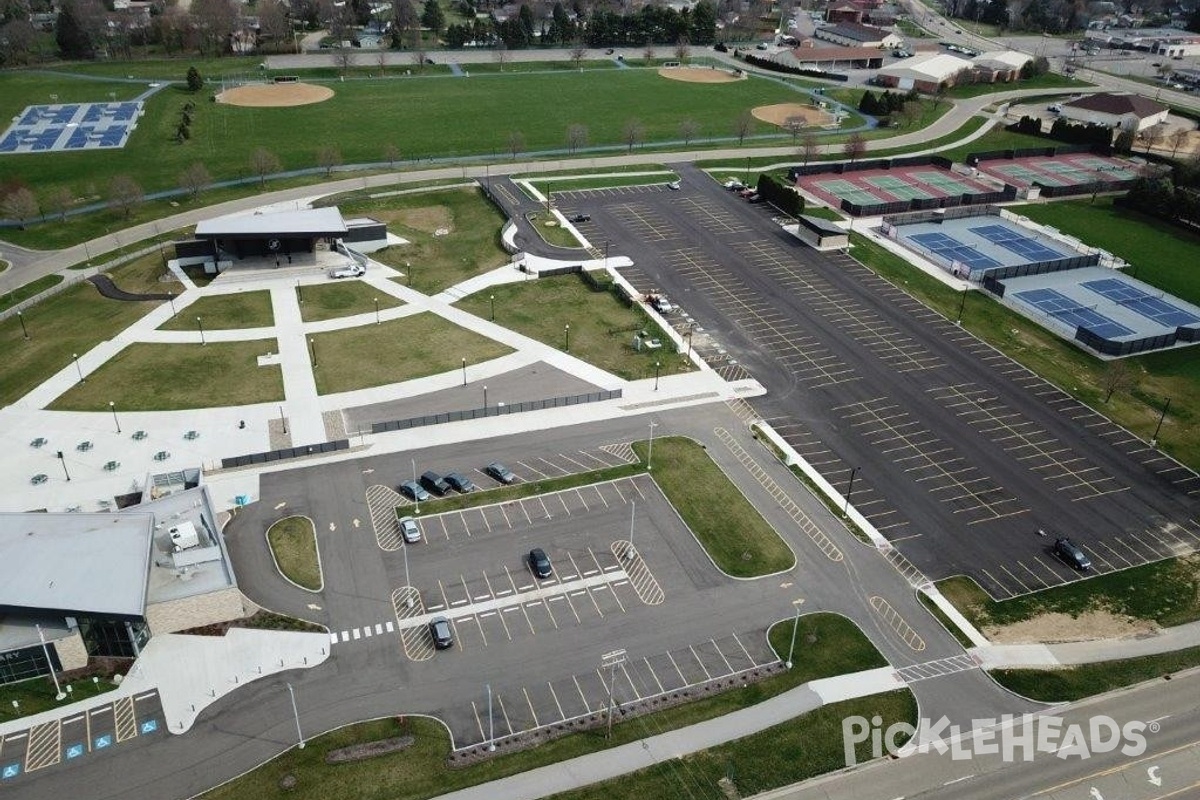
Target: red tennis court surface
(874,186)
(1066,170)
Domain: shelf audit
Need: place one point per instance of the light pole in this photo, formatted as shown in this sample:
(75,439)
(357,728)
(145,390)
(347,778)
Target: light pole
(1157,428)
(24,331)
(795,627)
(657,364)
(408,599)
(464,363)
(78,368)
(299,291)
(113,408)
(606,256)
(485,405)
(63,461)
(567,337)
(200,325)
(296,714)
(416,502)
(650,449)
(58,692)
(282,419)
(961,305)
(491,723)
(171,299)
(376,310)
(312,350)
(849,489)
(611,660)
(408,269)
(632,511)
(492,299)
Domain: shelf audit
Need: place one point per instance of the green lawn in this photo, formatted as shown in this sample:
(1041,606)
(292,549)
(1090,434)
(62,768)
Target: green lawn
(72,321)
(826,645)
(223,312)
(399,350)
(145,276)
(600,181)
(730,529)
(19,294)
(294,544)
(601,331)
(341,299)
(36,696)
(434,262)
(1048,81)
(1085,680)
(171,377)
(548,228)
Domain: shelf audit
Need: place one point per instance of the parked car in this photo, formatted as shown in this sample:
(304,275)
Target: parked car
(1072,554)
(413,491)
(581,217)
(435,483)
(539,563)
(660,302)
(747,191)
(734,185)
(352,271)
(459,482)
(673,186)
(409,529)
(500,472)
(442,633)
(756,198)
(1055,107)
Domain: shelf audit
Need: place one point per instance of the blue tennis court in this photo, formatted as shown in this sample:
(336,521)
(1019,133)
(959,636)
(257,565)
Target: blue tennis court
(1066,310)
(1136,300)
(1014,242)
(950,248)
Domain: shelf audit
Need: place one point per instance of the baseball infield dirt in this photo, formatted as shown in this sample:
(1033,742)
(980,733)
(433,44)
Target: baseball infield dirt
(275,95)
(782,112)
(699,75)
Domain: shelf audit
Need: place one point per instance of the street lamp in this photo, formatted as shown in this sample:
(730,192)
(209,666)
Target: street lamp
(416,502)
(200,325)
(78,368)
(612,660)
(464,363)
(849,489)
(485,405)
(24,332)
(657,364)
(606,256)
(408,595)
(961,305)
(312,351)
(296,714)
(113,408)
(492,298)
(376,310)
(1157,428)
(58,692)
(795,627)
(491,723)
(171,298)
(650,449)
(299,291)
(567,336)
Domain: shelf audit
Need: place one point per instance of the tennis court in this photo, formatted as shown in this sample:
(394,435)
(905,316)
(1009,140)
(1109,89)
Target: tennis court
(1022,175)
(944,183)
(953,250)
(1109,167)
(901,190)
(1136,300)
(1069,312)
(1073,174)
(845,190)
(1025,246)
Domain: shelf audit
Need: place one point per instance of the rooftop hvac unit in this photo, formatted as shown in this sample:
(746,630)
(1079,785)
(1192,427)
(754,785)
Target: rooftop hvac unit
(184,536)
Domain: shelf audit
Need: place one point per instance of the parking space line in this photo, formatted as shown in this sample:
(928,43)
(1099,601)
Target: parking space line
(637,695)
(581,500)
(617,487)
(654,675)
(504,513)
(750,658)
(617,597)
(561,715)
(478,721)
(717,647)
(600,495)
(528,468)
(504,713)
(546,511)
(579,689)
(701,663)
(562,499)
(532,713)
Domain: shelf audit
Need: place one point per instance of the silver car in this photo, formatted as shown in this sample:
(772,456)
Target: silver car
(409,529)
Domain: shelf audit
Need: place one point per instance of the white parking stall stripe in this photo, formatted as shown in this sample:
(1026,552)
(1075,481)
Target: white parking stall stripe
(333,638)
(390,627)
(378,629)
(366,631)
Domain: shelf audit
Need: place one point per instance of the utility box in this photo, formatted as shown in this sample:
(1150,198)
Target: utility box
(184,536)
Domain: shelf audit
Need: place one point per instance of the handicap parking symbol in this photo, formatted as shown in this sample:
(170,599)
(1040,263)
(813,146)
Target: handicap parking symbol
(103,741)
(149,726)
(10,771)
(75,751)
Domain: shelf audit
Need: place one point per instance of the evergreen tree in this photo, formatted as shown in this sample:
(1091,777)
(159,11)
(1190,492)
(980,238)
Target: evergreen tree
(703,23)
(433,17)
(195,82)
(70,34)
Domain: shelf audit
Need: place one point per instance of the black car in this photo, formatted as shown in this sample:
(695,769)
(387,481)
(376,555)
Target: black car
(539,562)
(581,217)
(459,482)
(413,491)
(442,633)
(1072,554)
(499,472)
(435,483)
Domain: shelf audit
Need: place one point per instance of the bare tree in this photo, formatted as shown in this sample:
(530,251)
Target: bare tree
(1153,136)
(124,194)
(20,205)
(648,54)
(855,146)
(262,163)
(794,126)
(1179,139)
(214,21)
(689,129)
(343,59)
(58,201)
(682,49)
(577,136)
(500,54)
(578,51)
(419,55)
(18,42)
(742,126)
(632,133)
(516,143)
(391,154)
(1117,376)
(195,179)
(404,18)
(809,147)
(381,59)
(273,25)
(908,114)
(328,157)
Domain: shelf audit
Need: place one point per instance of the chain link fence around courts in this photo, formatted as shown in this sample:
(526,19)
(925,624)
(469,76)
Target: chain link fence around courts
(495,411)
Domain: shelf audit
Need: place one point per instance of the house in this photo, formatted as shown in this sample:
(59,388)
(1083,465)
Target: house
(1128,112)
(851,34)
(925,72)
(1000,66)
(844,12)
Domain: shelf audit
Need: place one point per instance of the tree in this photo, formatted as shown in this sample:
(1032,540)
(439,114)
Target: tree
(20,205)
(855,146)
(688,129)
(908,114)
(328,157)
(577,136)
(682,49)
(195,179)
(1178,139)
(809,147)
(18,42)
(124,194)
(195,82)
(419,56)
(1153,135)
(215,20)
(58,201)
(75,31)
(433,17)
(391,154)
(632,133)
(578,51)
(404,19)
(1193,23)
(343,59)
(500,54)
(262,163)
(648,54)
(703,28)
(742,126)
(794,126)
(273,25)
(516,143)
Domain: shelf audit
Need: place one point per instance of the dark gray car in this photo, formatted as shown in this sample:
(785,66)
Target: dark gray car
(539,562)
(435,483)
(1072,554)
(499,472)
(459,482)
(442,633)
(413,491)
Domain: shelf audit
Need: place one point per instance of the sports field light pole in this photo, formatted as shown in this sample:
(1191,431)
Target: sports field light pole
(1158,427)
(650,449)
(282,419)
(63,461)
(611,660)
(58,692)
(606,256)
(795,627)
(491,723)
(113,408)
(485,405)
(171,298)
(78,368)
(200,325)
(296,714)
(24,332)
(961,305)
(849,489)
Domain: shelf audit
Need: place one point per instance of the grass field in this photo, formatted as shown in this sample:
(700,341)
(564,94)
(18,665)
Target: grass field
(36,696)
(294,544)
(225,312)
(171,377)
(602,327)
(1085,680)
(18,294)
(341,299)
(551,232)
(1049,80)
(730,529)
(399,350)
(144,276)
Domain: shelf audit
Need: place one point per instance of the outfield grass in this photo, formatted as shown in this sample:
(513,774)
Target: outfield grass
(421,771)
(432,263)
(225,312)
(341,299)
(72,321)
(172,377)
(1165,592)
(729,528)
(19,294)
(601,331)
(293,543)
(399,350)
(1085,680)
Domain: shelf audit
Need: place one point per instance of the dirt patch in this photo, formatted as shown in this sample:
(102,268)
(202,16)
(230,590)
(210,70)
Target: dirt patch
(1056,627)
(780,113)
(427,219)
(275,95)
(699,74)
